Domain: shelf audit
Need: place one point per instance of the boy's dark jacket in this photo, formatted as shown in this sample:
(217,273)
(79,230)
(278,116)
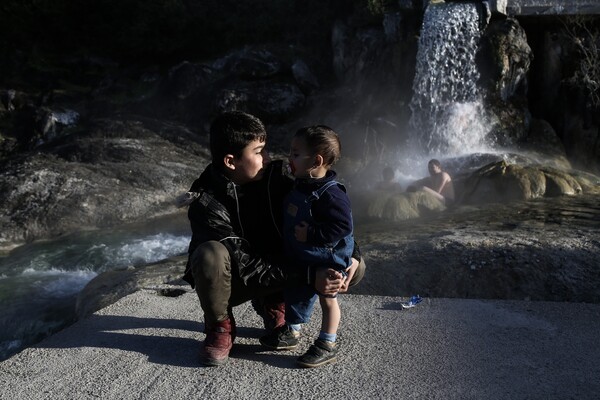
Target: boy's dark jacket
(238,217)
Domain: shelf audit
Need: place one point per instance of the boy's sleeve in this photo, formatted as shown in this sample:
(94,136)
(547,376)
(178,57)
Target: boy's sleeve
(333,218)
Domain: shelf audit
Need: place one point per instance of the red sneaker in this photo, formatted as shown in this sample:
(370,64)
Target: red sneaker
(217,344)
(274,316)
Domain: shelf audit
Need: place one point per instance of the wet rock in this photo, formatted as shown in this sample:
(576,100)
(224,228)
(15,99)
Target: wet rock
(583,142)
(389,206)
(186,78)
(503,182)
(110,286)
(543,141)
(505,57)
(543,250)
(250,63)
(7,98)
(270,101)
(305,79)
(118,172)
(559,183)
(357,51)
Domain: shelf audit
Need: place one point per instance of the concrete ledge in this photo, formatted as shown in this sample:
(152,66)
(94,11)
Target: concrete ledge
(541,9)
(145,346)
(523,7)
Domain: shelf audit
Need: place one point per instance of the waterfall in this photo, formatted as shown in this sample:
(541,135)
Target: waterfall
(447,114)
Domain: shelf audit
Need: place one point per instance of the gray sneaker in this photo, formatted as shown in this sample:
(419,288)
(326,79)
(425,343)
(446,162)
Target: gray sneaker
(320,353)
(282,338)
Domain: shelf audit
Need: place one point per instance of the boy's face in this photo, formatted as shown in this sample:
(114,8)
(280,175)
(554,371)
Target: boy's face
(301,161)
(249,166)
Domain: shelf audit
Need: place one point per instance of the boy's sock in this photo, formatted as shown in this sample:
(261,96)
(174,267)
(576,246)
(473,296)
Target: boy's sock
(329,337)
(295,328)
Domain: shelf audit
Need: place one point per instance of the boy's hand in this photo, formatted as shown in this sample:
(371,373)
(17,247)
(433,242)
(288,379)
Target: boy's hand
(328,281)
(350,274)
(301,231)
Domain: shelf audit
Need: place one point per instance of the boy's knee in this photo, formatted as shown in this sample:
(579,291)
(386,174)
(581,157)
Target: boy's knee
(210,257)
(359,273)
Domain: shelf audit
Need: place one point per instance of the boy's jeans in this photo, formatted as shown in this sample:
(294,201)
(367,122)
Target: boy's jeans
(299,303)
(219,290)
(300,300)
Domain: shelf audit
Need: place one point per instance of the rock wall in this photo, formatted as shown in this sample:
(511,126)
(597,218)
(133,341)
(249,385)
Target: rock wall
(140,135)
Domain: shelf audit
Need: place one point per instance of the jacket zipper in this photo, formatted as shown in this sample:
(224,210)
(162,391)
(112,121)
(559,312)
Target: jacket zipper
(237,206)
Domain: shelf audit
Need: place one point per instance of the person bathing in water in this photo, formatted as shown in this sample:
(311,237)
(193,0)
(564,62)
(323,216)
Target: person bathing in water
(439,183)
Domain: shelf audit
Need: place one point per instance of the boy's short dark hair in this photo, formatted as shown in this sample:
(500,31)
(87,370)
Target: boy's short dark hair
(322,140)
(231,132)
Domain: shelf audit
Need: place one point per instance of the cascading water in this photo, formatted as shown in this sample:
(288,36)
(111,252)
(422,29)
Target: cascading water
(39,282)
(447,114)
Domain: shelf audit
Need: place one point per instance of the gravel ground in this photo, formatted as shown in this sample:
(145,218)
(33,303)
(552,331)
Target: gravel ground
(145,347)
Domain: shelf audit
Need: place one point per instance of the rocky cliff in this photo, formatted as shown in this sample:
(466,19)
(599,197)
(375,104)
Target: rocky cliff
(89,141)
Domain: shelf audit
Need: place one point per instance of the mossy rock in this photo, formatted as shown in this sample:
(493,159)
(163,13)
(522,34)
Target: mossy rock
(403,206)
(503,182)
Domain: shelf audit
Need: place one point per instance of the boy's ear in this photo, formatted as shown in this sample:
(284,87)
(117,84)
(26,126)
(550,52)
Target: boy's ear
(318,161)
(228,161)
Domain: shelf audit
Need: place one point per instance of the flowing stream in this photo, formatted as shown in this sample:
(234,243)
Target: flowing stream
(39,282)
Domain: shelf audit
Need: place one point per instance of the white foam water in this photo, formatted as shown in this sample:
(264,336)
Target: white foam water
(39,282)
